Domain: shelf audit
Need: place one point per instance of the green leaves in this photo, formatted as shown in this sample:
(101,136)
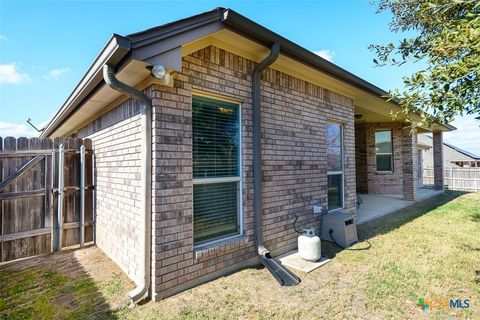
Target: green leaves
(447,38)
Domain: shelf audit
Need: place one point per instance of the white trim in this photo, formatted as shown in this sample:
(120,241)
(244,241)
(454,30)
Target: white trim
(215,180)
(215,242)
(384,153)
(331,173)
(215,96)
(238,179)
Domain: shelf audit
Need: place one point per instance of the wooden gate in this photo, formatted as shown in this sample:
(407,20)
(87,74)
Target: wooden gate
(46,195)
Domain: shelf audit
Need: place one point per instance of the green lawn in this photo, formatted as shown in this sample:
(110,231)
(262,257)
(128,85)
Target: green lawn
(429,251)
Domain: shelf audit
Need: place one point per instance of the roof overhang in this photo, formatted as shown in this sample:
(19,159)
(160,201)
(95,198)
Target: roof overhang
(226,29)
(116,49)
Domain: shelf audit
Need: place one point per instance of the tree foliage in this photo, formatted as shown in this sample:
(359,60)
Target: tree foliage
(447,38)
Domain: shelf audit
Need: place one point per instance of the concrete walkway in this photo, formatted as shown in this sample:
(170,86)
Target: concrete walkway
(377,205)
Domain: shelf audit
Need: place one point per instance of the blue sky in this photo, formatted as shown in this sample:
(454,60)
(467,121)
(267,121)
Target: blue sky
(46,46)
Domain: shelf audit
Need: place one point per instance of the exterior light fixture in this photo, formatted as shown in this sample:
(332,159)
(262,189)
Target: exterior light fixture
(159,72)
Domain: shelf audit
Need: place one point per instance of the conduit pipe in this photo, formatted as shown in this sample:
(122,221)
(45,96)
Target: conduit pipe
(146,174)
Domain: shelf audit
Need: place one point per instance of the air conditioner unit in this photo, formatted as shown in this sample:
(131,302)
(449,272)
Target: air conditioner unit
(339,227)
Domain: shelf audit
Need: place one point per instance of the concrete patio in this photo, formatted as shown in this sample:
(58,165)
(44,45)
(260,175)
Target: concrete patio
(377,205)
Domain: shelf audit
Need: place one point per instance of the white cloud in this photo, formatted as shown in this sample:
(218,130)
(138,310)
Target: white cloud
(10,74)
(8,129)
(55,74)
(325,54)
(467,135)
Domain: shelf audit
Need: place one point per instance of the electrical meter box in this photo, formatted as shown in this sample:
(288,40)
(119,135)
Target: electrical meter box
(343,226)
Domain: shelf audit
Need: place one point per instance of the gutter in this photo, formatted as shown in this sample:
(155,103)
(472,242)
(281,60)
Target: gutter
(251,29)
(146,174)
(114,51)
(262,35)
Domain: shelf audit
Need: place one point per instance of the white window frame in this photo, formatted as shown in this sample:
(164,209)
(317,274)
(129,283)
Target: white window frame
(384,153)
(342,172)
(238,179)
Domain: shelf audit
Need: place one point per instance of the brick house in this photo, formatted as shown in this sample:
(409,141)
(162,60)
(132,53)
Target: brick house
(189,164)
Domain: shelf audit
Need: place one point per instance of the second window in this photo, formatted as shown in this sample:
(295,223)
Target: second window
(335,179)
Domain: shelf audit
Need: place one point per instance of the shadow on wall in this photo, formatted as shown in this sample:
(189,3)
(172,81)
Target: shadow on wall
(71,285)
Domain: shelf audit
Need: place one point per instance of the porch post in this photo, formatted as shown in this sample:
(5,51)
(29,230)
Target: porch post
(410,163)
(438,175)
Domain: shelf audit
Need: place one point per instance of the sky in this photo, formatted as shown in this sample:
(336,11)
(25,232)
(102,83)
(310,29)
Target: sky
(46,46)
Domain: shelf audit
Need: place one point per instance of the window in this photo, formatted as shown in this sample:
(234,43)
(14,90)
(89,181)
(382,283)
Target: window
(383,150)
(335,166)
(216,169)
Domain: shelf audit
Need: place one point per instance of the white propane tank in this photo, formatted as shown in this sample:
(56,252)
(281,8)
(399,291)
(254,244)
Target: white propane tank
(309,245)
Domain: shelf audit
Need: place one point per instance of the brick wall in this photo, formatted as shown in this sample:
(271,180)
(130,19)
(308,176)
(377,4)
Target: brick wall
(294,116)
(410,163)
(438,160)
(404,177)
(385,182)
(361,163)
(116,143)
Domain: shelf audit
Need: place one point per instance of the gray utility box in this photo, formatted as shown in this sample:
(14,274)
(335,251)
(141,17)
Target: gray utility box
(344,228)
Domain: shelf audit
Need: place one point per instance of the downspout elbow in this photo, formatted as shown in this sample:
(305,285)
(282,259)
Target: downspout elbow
(146,174)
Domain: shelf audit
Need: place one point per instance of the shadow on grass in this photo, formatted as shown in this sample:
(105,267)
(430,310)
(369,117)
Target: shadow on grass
(476,216)
(396,219)
(392,221)
(52,286)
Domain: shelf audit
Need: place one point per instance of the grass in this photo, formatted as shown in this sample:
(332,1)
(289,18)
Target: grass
(73,285)
(430,251)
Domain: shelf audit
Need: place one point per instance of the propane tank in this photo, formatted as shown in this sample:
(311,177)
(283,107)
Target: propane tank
(309,245)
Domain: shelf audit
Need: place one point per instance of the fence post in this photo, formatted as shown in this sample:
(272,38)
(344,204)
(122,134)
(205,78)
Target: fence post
(451,177)
(59,218)
(82,195)
(52,200)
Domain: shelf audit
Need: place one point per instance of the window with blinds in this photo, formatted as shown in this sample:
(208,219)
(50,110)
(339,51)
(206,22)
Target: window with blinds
(383,150)
(216,169)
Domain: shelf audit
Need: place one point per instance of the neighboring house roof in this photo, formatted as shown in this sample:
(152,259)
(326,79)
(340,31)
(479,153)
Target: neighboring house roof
(462,151)
(164,44)
(467,153)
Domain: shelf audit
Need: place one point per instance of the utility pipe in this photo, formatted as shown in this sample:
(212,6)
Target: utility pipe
(146,173)
(257,148)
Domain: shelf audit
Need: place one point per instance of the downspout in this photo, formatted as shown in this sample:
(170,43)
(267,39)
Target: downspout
(146,173)
(257,148)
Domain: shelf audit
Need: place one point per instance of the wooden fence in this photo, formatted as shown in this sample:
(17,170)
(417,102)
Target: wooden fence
(46,195)
(461,179)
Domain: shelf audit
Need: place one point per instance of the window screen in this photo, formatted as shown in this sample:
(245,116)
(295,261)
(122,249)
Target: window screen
(216,169)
